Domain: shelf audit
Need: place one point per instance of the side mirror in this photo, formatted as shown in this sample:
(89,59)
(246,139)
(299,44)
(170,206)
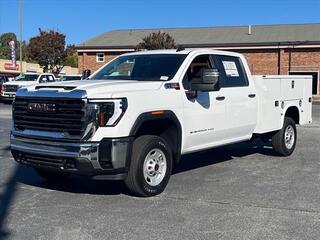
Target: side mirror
(207,82)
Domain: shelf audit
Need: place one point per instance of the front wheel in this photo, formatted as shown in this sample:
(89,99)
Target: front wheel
(284,141)
(150,166)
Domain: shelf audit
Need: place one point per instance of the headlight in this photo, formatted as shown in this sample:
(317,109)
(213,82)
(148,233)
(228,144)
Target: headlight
(109,112)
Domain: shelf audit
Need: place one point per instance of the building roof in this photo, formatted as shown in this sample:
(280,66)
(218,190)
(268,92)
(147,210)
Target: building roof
(213,36)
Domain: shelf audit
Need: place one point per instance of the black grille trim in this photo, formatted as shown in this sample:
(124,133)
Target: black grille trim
(45,161)
(10,88)
(69,116)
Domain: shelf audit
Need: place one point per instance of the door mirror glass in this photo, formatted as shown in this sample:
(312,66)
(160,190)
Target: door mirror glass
(207,82)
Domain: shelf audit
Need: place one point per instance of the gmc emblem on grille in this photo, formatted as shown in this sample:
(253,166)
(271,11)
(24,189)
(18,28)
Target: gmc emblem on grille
(42,107)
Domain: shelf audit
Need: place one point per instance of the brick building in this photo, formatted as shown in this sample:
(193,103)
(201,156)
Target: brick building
(270,49)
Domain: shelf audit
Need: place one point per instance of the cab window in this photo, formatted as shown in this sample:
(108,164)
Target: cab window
(194,70)
(232,72)
(50,78)
(43,79)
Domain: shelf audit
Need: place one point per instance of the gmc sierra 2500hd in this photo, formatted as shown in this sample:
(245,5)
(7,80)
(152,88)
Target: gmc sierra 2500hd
(135,116)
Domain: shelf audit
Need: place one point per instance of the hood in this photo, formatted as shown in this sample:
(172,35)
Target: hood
(98,88)
(21,83)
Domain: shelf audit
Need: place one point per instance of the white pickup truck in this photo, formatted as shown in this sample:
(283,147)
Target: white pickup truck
(136,115)
(8,91)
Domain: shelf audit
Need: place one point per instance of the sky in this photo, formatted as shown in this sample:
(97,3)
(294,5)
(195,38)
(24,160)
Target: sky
(81,20)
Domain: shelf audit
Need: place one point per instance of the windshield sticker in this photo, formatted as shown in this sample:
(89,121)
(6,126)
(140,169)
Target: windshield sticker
(230,68)
(164,78)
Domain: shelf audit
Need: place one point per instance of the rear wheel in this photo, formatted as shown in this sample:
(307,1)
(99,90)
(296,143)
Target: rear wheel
(150,166)
(50,175)
(284,141)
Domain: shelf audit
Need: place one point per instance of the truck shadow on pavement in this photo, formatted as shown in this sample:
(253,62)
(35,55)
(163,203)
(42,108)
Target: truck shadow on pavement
(25,175)
(220,154)
(75,184)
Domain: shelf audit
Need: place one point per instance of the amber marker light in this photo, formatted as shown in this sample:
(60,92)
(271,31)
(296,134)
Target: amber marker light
(157,113)
(102,119)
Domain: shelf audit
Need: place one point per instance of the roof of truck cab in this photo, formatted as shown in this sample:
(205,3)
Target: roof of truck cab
(31,73)
(182,52)
(161,51)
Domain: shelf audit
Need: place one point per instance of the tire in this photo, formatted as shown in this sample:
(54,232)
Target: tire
(51,175)
(284,141)
(150,167)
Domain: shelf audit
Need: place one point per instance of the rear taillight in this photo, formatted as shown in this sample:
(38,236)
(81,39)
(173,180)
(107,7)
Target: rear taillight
(1,89)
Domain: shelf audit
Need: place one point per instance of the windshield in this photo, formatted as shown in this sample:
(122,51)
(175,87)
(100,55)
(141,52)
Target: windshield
(28,77)
(145,67)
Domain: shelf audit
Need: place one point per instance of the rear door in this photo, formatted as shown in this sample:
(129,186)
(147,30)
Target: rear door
(240,97)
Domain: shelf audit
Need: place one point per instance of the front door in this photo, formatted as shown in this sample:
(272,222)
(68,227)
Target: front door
(205,113)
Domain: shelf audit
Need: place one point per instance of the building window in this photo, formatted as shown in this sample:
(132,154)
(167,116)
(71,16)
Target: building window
(100,57)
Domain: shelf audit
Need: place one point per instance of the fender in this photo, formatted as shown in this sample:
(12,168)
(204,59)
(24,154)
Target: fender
(287,106)
(159,115)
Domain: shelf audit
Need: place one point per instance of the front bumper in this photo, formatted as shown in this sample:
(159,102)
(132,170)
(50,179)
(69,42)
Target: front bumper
(107,159)
(8,96)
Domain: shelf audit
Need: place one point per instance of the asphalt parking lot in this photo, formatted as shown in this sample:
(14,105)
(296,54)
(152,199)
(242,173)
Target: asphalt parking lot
(240,191)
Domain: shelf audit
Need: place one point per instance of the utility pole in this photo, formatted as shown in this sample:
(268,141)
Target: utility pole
(20,37)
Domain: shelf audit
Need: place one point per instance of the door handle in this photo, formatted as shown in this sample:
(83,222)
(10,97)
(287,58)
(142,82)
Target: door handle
(251,95)
(220,98)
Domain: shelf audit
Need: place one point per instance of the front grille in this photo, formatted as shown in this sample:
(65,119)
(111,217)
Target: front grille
(44,160)
(68,115)
(10,88)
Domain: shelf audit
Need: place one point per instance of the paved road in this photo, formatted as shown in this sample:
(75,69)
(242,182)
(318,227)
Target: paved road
(235,192)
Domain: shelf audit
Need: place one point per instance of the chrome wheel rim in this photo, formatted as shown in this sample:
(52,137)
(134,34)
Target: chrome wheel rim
(289,137)
(155,167)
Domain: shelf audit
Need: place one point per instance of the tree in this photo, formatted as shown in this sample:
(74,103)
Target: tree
(70,49)
(48,49)
(72,58)
(158,40)
(5,52)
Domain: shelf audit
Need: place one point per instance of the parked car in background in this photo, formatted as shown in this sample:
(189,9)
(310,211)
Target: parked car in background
(70,78)
(23,80)
(3,79)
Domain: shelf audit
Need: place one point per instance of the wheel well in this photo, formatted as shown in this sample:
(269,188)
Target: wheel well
(293,113)
(165,128)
